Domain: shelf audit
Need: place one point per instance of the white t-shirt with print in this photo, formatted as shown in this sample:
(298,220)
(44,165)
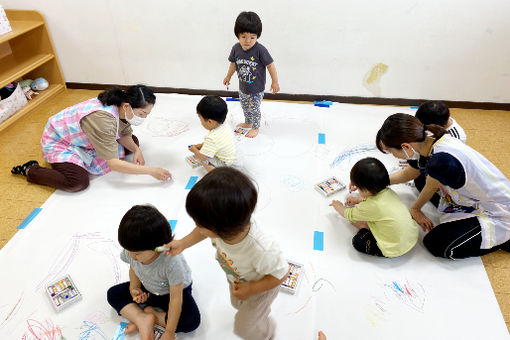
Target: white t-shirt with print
(254,257)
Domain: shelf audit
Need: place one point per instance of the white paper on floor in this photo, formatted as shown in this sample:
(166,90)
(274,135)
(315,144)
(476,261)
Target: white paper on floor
(347,294)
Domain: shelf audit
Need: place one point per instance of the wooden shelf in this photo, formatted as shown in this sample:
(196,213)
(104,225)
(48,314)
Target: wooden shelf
(19,28)
(16,69)
(43,96)
(30,54)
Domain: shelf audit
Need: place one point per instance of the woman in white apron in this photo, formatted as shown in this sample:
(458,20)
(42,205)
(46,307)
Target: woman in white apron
(475,195)
(90,138)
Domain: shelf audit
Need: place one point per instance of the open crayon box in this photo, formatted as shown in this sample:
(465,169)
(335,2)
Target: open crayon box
(329,186)
(63,293)
(240,131)
(193,161)
(291,283)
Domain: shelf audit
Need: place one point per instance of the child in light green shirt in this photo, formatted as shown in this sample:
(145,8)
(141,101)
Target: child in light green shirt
(386,226)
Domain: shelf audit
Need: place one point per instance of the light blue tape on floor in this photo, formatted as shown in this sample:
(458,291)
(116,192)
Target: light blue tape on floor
(173,223)
(322,138)
(191,182)
(318,240)
(29,218)
(119,333)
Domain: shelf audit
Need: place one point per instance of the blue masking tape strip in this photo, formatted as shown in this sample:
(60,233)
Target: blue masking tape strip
(233,100)
(29,218)
(322,102)
(191,182)
(322,138)
(318,240)
(173,223)
(119,333)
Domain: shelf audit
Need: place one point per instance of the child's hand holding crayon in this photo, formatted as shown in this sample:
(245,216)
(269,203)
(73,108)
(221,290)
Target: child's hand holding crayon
(138,295)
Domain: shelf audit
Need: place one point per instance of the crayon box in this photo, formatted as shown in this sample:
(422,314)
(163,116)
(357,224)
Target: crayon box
(63,293)
(291,283)
(192,161)
(240,131)
(329,186)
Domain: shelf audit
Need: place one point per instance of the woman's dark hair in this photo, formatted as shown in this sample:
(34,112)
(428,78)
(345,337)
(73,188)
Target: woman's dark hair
(403,128)
(137,96)
(433,112)
(222,201)
(370,174)
(213,107)
(248,22)
(143,227)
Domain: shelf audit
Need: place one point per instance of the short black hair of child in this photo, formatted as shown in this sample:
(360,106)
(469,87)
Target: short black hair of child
(248,22)
(213,107)
(143,227)
(222,201)
(433,112)
(370,174)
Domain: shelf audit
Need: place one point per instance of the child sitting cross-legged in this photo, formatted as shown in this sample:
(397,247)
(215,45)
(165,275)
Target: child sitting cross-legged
(218,148)
(155,280)
(385,225)
(221,204)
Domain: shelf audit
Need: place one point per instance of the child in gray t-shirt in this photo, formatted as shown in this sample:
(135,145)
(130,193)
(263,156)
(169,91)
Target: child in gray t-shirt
(250,59)
(155,280)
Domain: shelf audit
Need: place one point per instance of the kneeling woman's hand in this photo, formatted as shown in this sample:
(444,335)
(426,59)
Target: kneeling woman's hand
(420,218)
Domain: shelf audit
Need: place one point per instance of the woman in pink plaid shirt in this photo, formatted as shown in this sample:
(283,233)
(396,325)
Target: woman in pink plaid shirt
(93,137)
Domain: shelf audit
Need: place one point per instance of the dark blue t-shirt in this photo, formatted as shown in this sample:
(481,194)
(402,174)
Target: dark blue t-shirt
(443,167)
(251,67)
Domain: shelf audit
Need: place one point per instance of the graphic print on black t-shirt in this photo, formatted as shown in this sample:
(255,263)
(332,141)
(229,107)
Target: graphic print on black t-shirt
(247,70)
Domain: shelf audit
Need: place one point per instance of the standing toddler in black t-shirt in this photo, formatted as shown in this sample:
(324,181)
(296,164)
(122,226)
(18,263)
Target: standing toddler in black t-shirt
(250,59)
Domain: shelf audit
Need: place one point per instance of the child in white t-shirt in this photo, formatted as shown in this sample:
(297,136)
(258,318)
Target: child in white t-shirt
(218,148)
(436,112)
(221,204)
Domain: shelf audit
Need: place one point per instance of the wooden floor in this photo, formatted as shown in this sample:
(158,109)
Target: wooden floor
(487,131)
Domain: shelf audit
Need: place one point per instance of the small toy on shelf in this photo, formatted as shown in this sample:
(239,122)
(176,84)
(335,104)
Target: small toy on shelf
(28,92)
(39,84)
(25,83)
(7,90)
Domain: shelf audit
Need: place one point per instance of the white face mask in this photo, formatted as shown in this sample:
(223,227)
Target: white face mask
(415,156)
(136,120)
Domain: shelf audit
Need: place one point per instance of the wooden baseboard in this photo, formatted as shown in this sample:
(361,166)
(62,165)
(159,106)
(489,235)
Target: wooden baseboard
(308,97)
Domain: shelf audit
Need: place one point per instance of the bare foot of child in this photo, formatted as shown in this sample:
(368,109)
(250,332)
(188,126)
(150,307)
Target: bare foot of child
(130,328)
(244,125)
(146,326)
(321,336)
(160,316)
(252,133)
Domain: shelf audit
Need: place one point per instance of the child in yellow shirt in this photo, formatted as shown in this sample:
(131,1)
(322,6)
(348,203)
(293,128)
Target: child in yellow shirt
(218,148)
(386,227)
